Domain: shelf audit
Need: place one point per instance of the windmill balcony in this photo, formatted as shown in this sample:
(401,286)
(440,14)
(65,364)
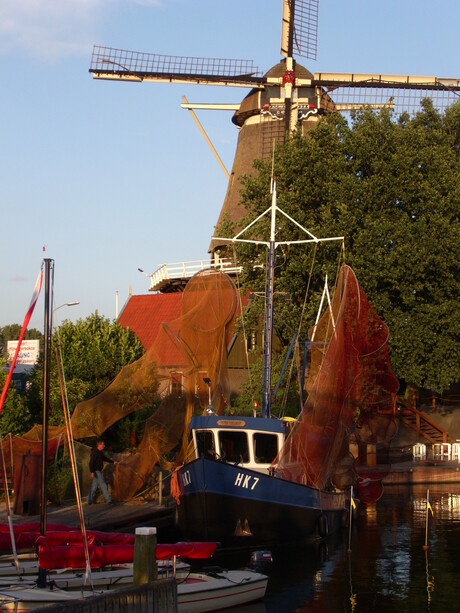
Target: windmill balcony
(168,276)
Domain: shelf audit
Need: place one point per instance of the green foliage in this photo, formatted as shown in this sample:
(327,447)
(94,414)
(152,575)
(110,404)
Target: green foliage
(15,416)
(12,332)
(392,187)
(93,352)
(60,485)
(284,404)
(127,433)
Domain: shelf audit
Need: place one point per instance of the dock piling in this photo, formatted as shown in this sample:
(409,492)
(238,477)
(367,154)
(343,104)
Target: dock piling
(145,564)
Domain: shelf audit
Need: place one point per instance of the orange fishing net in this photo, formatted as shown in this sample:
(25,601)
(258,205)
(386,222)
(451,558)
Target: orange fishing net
(193,347)
(350,391)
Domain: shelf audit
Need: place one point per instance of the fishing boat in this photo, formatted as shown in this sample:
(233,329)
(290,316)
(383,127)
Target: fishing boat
(261,480)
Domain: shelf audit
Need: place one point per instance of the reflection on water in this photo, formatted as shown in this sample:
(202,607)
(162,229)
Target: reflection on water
(387,570)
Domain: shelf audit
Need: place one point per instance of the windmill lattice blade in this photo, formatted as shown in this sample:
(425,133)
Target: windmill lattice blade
(107,62)
(402,100)
(305,35)
(401,92)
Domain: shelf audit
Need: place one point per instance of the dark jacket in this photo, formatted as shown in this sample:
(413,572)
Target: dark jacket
(97,459)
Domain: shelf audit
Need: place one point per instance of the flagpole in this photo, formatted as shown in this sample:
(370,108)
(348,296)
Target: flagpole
(49,296)
(350,518)
(425,547)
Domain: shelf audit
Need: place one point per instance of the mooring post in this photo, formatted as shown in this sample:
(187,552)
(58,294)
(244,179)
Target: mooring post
(145,562)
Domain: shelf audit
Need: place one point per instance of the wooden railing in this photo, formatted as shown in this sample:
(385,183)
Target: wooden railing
(420,422)
(186,270)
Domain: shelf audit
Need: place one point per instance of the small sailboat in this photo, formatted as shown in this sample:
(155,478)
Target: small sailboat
(261,480)
(61,556)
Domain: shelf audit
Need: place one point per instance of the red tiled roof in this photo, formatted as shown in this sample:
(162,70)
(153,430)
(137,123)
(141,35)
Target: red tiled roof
(145,313)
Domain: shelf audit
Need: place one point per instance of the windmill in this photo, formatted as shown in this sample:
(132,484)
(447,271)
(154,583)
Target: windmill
(286,97)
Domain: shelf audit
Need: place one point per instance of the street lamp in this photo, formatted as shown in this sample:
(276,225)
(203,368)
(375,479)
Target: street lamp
(69,304)
(66,304)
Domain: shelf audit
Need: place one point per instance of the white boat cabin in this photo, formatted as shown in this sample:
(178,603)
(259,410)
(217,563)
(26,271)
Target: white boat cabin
(252,442)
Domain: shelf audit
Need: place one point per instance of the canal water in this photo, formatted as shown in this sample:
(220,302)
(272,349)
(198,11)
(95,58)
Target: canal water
(387,569)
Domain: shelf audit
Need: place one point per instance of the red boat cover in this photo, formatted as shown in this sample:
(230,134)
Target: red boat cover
(25,535)
(73,556)
(62,546)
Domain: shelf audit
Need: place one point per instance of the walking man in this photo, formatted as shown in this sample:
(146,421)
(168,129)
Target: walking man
(96,464)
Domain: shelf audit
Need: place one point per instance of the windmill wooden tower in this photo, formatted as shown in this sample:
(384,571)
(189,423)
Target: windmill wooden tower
(286,97)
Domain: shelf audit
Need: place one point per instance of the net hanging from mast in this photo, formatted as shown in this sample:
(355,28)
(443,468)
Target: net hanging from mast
(350,392)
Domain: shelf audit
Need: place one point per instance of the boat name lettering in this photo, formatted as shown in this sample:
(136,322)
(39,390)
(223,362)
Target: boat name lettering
(229,423)
(186,478)
(246,481)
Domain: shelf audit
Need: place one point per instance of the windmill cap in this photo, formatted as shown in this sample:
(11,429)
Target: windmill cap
(257,98)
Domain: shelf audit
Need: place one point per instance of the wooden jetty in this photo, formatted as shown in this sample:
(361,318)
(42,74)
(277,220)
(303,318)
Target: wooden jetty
(423,471)
(117,516)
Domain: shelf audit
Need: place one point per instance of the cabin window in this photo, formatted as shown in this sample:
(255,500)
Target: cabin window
(205,444)
(234,446)
(265,448)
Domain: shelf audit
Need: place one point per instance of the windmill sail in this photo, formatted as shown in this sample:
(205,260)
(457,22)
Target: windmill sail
(299,23)
(286,97)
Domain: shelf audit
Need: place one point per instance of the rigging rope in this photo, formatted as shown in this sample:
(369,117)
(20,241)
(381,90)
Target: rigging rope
(296,349)
(73,460)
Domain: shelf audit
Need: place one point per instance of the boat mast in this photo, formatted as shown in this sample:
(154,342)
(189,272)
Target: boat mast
(269,293)
(49,265)
(272,244)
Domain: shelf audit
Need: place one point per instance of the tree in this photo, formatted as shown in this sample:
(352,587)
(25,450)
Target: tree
(93,352)
(392,186)
(12,332)
(15,416)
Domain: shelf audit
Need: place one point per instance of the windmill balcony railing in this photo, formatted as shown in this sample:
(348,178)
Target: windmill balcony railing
(186,270)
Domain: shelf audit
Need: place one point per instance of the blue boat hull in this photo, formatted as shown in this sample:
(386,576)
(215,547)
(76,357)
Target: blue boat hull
(240,507)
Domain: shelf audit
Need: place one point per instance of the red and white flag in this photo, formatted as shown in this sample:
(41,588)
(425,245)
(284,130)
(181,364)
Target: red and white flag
(37,288)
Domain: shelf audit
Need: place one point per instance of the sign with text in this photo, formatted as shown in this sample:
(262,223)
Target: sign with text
(28,354)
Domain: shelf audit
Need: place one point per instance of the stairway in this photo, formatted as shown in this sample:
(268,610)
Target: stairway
(420,422)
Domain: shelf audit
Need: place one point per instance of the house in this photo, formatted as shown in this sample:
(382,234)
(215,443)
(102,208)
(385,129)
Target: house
(148,315)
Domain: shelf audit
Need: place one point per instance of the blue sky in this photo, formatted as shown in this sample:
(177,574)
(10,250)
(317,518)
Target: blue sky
(110,177)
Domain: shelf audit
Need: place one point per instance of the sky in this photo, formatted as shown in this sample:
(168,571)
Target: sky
(111,177)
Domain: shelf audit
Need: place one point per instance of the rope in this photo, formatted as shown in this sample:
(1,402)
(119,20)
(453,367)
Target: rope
(245,338)
(8,509)
(307,290)
(73,460)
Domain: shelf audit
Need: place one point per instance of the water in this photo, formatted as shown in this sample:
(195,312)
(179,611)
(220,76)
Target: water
(387,570)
